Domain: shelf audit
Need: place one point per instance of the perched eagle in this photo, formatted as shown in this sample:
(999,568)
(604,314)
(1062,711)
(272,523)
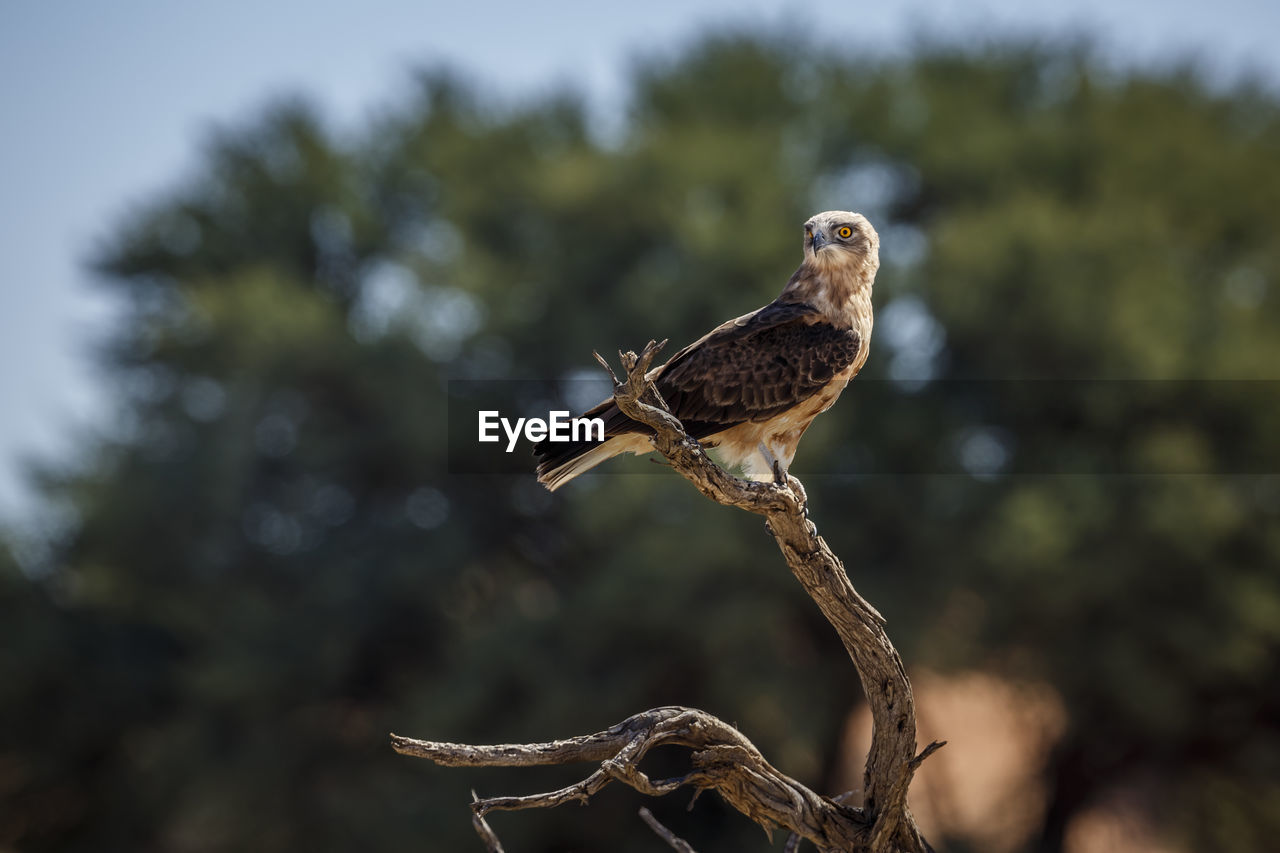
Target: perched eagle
(751,386)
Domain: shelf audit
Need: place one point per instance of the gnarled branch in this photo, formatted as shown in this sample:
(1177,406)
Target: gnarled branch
(722,758)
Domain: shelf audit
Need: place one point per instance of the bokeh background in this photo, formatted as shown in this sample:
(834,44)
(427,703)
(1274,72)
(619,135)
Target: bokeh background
(246,251)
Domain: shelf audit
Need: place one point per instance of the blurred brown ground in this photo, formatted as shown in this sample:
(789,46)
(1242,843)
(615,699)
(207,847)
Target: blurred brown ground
(985,787)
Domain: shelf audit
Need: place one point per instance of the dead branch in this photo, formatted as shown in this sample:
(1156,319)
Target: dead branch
(486,833)
(674,841)
(722,758)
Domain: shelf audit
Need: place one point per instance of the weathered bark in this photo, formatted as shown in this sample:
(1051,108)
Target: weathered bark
(724,760)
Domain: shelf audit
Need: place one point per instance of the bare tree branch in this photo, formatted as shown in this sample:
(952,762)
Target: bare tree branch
(678,844)
(486,833)
(892,759)
(722,758)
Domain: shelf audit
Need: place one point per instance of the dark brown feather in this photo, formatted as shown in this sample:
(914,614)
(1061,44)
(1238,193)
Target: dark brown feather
(754,368)
(749,369)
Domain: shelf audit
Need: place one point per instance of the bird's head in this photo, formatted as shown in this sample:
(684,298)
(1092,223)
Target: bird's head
(841,238)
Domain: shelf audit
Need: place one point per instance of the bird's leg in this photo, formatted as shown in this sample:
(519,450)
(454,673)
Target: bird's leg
(782,478)
(779,473)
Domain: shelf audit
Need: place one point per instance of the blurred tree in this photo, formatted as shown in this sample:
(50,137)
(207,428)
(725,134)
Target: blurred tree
(273,567)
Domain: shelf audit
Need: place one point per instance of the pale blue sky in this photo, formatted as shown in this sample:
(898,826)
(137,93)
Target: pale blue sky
(103,104)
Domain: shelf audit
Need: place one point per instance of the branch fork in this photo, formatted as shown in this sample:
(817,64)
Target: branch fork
(723,759)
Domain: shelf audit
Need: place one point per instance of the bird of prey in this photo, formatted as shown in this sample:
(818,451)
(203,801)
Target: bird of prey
(751,386)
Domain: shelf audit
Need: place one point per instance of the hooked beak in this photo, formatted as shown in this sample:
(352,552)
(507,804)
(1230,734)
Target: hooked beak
(819,240)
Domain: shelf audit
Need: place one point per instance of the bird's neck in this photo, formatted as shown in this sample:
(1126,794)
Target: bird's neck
(841,293)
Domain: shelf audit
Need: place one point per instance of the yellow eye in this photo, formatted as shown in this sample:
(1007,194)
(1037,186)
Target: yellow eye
(845,233)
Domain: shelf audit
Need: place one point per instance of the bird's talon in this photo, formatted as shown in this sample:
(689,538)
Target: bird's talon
(798,489)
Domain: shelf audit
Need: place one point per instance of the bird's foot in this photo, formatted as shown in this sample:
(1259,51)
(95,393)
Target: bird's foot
(797,489)
(785,480)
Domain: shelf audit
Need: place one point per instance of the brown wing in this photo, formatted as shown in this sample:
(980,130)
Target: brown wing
(754,368)
(748,369)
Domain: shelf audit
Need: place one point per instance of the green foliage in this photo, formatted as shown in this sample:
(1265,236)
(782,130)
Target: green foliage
(273,566)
